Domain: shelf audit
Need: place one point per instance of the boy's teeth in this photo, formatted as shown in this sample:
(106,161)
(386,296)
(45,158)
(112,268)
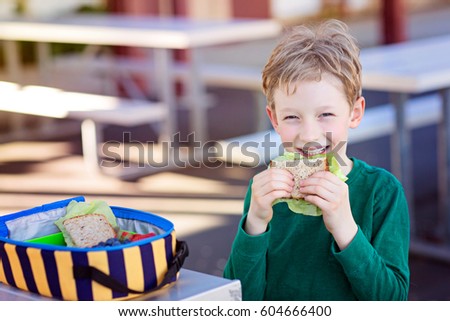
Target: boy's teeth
(315,151)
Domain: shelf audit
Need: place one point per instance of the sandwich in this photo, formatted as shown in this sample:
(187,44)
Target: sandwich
(88,230)
(86,224)
(303,167)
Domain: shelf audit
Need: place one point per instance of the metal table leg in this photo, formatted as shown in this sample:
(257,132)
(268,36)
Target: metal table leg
(12,55)
(197,101)
(14,71)
(91,138)
(401,153)
(163,63)
(444,166)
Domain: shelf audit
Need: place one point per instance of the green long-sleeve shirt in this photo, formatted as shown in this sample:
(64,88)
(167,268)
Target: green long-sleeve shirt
(298,259)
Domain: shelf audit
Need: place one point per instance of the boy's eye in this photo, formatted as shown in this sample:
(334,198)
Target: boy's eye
(290,117)
(326,115)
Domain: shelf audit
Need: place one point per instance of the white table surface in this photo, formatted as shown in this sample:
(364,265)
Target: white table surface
(145,31)
(159,34)
(410,67)
(190,285)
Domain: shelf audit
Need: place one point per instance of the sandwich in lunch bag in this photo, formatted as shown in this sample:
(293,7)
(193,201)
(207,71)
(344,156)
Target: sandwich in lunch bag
(36,255)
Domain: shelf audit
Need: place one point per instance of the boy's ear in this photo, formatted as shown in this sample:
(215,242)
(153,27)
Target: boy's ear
(357,112)
(272,116)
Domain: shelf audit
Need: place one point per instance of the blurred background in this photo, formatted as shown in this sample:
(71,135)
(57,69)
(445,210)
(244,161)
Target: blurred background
(43,159)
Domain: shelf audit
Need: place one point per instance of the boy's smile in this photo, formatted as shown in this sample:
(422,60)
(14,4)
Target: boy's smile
(312,150)
(314,117)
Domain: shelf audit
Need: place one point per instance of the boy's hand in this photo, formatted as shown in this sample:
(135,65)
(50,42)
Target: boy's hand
(330,194)
(269,185)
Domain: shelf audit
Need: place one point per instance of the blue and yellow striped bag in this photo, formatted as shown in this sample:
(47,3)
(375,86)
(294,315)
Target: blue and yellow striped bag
(108,273)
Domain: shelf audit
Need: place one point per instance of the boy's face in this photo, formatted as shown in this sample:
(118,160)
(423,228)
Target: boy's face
(316,118)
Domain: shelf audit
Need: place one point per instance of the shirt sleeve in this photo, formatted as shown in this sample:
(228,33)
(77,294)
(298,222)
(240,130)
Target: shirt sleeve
(377,266)
(247,260)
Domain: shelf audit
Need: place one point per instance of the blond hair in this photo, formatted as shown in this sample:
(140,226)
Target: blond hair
(307,53)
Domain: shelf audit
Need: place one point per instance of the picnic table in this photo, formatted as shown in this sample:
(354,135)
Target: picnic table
(161,35)
(403,70)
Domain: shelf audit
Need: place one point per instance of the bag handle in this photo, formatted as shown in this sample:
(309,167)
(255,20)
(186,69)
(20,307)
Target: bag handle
(89,272)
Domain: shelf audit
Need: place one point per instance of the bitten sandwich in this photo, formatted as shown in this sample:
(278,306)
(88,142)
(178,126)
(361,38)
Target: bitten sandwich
(302,167)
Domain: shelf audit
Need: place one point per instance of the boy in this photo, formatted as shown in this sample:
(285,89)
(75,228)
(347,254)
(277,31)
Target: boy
(358,248)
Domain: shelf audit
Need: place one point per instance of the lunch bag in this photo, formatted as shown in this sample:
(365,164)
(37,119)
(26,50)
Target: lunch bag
(33,259)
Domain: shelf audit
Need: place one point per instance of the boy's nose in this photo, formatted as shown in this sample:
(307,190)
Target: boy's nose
(309,134)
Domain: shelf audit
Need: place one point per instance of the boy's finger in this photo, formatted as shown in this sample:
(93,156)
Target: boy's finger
(318,190)
(326,175)
(275,186)
(316,200)
(281,175)
(323,182)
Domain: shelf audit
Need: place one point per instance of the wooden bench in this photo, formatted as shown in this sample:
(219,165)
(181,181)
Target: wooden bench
(94,111)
